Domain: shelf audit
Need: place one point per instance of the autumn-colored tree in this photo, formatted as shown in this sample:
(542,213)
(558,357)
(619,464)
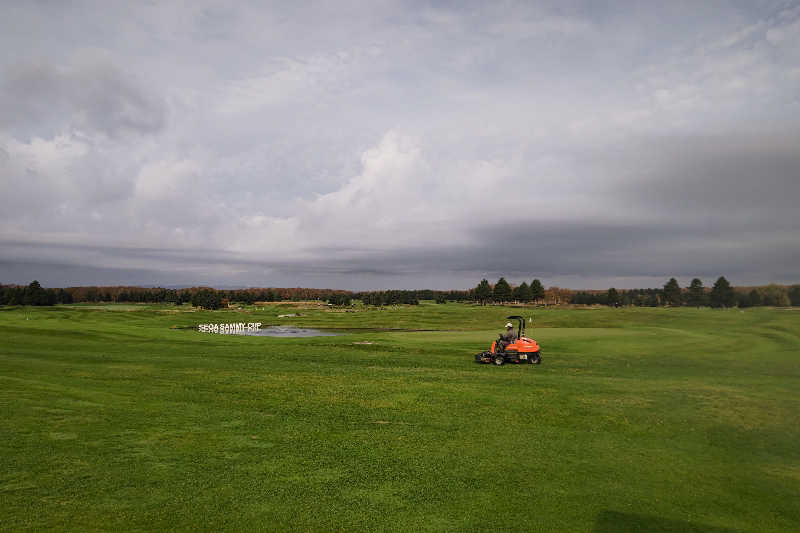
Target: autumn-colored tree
(775,295)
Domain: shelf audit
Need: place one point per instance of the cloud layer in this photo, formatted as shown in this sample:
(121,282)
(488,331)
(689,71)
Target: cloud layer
(399,145)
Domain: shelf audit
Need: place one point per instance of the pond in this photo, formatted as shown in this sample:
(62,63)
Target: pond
(285,331)
(254,329)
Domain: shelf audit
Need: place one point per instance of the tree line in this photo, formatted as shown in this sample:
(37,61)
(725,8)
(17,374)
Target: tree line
(410,297)
(35,294)
(209,298)
(502,292)
(722,294)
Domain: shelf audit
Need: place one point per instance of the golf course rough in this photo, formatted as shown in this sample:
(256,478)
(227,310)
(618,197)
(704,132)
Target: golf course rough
(664,419)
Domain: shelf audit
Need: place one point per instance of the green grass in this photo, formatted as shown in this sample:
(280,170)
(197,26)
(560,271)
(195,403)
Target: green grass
(641,419)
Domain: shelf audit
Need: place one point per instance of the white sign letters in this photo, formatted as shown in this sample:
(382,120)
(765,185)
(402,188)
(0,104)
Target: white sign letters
(236,327)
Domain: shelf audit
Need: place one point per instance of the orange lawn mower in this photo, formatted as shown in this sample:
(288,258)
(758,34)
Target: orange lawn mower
(522,350)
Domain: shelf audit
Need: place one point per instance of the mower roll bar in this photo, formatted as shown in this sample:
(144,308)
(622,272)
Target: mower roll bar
(521,324)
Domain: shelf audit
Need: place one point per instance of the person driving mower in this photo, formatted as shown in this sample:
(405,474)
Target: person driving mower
(506,338)
(511,347)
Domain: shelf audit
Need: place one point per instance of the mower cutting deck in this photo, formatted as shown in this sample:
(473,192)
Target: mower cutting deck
(523,350)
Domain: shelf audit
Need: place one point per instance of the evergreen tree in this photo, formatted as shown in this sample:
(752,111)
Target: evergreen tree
(502,291)
(722,294)
(697,294)
(672,293)
(523,293)
(34,294)
(207,299)
(613,297)
(483,292)
(537,291)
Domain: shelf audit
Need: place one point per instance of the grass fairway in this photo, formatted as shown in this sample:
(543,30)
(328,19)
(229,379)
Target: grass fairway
(641,420)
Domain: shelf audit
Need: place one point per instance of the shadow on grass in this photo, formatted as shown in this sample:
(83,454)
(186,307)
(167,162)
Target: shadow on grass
(615,521)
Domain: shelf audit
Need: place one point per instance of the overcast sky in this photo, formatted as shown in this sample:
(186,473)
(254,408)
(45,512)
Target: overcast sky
(363,145)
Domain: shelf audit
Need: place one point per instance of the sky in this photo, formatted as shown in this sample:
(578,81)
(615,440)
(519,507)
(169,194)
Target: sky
(381,144)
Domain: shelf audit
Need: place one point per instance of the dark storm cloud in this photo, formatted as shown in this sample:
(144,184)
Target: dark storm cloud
(588,252)
(68,275)
(585,254)
(725,175)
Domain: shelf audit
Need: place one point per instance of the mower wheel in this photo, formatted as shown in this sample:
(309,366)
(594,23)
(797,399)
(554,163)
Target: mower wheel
(535,358)
(499,360)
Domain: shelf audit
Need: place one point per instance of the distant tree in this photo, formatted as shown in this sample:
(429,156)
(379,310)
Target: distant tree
(613,297)
(502,291)
(339,299)
(651,298)
(672,293)
(207,299)
(52,296)
(15,296)
(483,292)
(754,297)
(537,291)
(627,298)
(794,295)
(30,290)
(743,300)
(697,294)
(776,295)
(722,294)
(523,293)
(34,294)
